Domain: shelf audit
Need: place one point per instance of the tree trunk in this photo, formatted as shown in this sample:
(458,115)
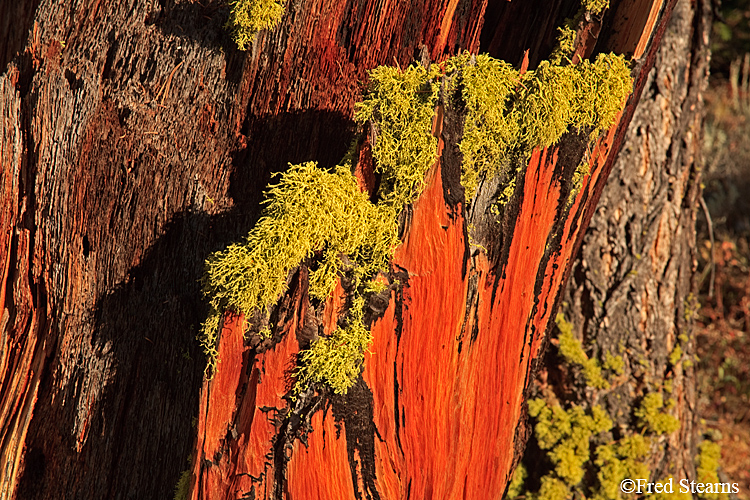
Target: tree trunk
(136,141)
(632,293)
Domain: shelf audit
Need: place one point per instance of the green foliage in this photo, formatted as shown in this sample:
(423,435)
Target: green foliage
(572,350)
(652,418)
(247,17)
(567,434)
(309,211)
(400,105)
(595,6)
(708,466)
(182,490)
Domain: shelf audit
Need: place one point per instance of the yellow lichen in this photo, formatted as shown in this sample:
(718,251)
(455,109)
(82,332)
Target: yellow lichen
(400,105)
(572,350)
(619,460)
(182,489)
(310,210)
(509,114)
(248,17)
(320,215)
(337,360)
(567,434)
(516,484)
(708,466)
(614,363)
(566,36)
(491,127)
(317,214)
(676,355)
(582,170)
(595,6)
(651,416)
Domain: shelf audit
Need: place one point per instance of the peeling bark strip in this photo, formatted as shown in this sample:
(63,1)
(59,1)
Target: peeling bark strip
(135,141)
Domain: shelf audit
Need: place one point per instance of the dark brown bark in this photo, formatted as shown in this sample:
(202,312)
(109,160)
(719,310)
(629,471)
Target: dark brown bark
(632,290)
(135,141)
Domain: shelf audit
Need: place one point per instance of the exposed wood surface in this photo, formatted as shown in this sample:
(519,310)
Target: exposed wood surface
(139,141)
(135,141)
(452,352)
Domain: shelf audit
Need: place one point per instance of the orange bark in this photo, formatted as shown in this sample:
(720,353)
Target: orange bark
(452,353)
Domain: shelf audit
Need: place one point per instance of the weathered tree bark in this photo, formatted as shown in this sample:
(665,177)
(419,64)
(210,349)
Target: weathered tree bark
(632,292)
(135,141)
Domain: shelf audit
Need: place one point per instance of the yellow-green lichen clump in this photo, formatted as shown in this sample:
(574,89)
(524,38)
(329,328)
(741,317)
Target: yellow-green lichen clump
(509,114)
(590,457)
(248,17)
(578,445)
(337,360)
(323,216)
(315,213)
(566,434)
(572,351)
(310,210)
(595,6)
(400,105)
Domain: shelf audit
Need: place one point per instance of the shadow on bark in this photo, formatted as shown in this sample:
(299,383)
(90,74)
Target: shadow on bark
(146,356)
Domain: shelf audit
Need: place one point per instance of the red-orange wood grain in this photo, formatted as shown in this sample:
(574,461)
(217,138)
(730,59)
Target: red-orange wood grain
(445,406)
(453,352)
(112,193)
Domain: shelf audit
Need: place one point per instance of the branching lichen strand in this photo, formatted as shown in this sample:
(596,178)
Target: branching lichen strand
(572,351)
(248,17)
(509,114)
(566,434)
(337,360)
(595,6)
(492,126)
(310,210)
(400,105)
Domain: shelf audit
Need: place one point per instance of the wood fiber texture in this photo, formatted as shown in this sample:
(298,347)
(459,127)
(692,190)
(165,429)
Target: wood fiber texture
(136,140)
(437,411)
